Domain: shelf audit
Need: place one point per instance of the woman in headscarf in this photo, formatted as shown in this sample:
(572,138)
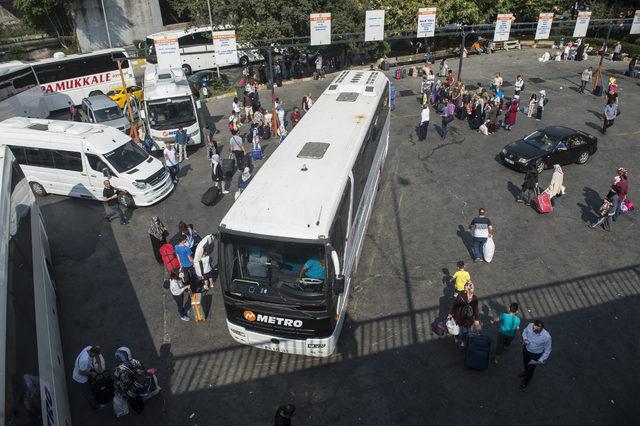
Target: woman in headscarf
(244,179)
(128,378)
(216,173)
(529,185)
(556,188)
(620,185)
(512,114)
(158,235)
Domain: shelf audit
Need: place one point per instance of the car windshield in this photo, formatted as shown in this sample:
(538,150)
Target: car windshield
(171,113)
(541,141)
(107,114)
(276,265)
(126,157)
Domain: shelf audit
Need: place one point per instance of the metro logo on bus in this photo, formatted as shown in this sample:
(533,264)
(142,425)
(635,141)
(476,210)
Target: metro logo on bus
(76,83)
(268,319)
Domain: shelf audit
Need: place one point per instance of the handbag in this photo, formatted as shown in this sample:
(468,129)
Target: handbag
(452,327)
(120,406)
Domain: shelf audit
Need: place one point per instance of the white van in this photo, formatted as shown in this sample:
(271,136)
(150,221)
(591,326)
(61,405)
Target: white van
(74,159)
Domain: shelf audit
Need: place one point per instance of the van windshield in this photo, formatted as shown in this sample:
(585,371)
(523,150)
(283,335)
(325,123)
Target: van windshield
(108,114)
(126,157)
(171,113)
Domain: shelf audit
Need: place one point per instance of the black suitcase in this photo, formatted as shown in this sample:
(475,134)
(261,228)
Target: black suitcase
(266,131)
(102,388)
(477,354)
(210,197)
(228,166)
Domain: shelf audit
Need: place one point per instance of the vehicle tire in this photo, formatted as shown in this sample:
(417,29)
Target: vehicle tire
(38,189)
(540,166)
(584,157)
(244,61)
(187,69)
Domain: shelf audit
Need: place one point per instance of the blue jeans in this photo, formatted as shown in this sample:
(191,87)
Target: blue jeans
(445,129)
(583,85)
(477,247)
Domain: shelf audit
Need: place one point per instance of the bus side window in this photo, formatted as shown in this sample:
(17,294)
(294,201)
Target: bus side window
(67,160)
(19,153)
(340,228)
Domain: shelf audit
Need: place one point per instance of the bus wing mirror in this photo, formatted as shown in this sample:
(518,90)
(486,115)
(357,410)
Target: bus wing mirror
(198,104)
(106,173)
(338,282)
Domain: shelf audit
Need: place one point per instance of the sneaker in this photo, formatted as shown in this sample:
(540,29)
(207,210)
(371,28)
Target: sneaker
(519,201)
(185,318)
(463,344)
(225,192)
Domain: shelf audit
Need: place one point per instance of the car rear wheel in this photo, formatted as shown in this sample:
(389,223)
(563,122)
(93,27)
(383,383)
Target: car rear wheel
(38,189)
(244,61)
(187,69)
(584,157)
(540,166)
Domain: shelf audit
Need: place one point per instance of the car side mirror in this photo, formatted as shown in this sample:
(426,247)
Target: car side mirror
(106,173)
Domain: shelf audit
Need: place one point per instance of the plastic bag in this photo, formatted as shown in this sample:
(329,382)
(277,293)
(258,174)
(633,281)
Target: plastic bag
(120,406)
(452,327)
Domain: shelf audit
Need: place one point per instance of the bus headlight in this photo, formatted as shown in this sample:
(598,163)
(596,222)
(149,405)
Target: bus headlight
(140,185)
(196,132)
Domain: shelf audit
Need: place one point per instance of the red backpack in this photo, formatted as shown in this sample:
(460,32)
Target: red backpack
(169,258)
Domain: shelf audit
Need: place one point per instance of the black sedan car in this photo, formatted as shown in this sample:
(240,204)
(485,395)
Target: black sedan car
(546,147)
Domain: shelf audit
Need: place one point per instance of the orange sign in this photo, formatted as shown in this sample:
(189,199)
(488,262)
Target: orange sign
(249,316)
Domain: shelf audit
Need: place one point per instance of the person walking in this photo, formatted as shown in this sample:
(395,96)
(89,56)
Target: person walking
(447,117)
(465,312)
(460,278)
(529,185)
(533,103)
(235,107)
(88,364)
(556,187)
(181,140)
(177,288)
(424,122)
(542,102)
(216,173)
(247,103)
(536,348)
(512,113)
(284,414)
(482,229)
(171,161)
(509,326)
(610,113)
(237,148)
(620,187)
(519,84)
(110,197)
(585,77)
(128,379)
(210,143)
(158,235)
(295,116)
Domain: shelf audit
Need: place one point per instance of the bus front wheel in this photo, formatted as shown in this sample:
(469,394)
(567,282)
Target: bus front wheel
(187,69)
(38,189)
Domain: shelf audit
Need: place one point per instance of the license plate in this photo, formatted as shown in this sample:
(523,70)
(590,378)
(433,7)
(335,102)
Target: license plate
(508,161)
(274,348)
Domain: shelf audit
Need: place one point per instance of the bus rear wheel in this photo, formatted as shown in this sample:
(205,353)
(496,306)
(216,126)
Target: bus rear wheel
(38,189)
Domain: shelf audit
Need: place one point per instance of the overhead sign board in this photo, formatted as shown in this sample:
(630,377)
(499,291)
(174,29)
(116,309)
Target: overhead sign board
(320,24)
(374,25)
(543,31)
(426,22)
(582,24)
(167,52)
(224,47)
(503,27)
(635,26)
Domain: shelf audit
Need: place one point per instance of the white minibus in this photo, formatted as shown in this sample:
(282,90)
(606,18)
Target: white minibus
(74,159)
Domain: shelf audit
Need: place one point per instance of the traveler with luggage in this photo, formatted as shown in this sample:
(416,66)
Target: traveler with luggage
(177,288)
(620,186)
(88,364)
(481,229)
(171,161)
(536,348)
(129,379)
(237,148)
(465,313)
(556,187)
(527,192)
(424,122)
(244,179)
(158,235)
(216,174)
(110,197)
(509,326)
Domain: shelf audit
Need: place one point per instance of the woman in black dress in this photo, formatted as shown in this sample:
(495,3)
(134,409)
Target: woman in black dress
(158,235)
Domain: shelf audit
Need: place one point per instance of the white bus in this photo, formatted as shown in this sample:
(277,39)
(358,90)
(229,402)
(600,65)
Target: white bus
(74,159)
(33,388)
(80,75)
(325,179)
(168,104)
(196,49)
(21,96)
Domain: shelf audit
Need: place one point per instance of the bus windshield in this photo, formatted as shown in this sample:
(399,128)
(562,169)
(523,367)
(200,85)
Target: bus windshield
(108,114)
(284,271)
(171,113)
(126,157)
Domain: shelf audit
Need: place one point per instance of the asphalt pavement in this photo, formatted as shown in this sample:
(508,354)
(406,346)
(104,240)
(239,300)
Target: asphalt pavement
(390,368)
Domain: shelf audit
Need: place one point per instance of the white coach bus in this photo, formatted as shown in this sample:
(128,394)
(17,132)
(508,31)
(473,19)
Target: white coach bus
(286,257)
(196,49)
(80,75)
(33,388)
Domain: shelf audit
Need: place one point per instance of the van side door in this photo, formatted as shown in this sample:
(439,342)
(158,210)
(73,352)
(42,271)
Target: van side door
(95,172)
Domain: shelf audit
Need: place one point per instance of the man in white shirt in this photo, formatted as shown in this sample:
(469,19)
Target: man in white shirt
(171,161)
(88,364)
(424,122)
(585,77)
(536,348)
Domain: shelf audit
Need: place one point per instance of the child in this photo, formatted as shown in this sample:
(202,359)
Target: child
(207,274)
(533,103)
(509,326)
(460,278)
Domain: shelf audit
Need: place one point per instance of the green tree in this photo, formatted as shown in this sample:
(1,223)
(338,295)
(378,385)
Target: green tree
(50,16)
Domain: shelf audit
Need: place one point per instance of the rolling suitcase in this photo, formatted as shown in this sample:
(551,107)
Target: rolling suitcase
(542,202)
(102,388)
(169,258)
(210,197)
(477,355)
(266,131)
(256,154)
